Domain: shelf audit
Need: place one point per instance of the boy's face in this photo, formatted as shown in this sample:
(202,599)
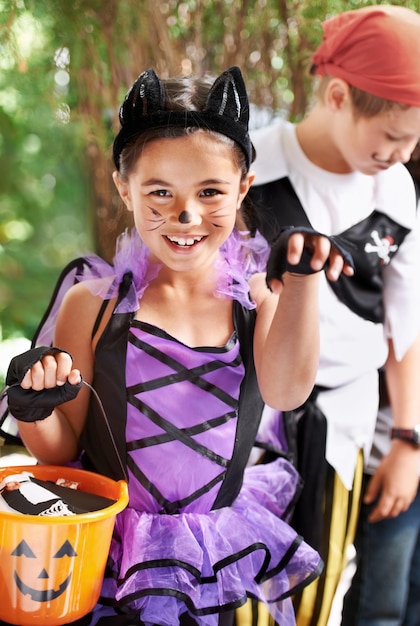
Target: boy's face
(370,145)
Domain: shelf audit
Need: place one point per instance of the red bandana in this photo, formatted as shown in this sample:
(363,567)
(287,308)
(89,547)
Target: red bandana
(376,49)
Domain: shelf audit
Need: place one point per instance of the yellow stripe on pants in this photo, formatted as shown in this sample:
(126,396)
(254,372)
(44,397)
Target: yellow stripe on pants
(313,604)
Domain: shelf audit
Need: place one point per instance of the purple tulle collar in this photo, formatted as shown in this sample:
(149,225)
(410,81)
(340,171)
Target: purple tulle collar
(240,257)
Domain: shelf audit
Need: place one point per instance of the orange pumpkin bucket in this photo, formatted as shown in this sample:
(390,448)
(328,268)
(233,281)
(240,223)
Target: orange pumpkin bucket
(51,568)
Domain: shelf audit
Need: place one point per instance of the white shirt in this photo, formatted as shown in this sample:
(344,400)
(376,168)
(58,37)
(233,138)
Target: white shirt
(352,349)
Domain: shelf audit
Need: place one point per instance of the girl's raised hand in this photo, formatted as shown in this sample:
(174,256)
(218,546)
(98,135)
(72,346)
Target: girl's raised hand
(324,254)
(303,251)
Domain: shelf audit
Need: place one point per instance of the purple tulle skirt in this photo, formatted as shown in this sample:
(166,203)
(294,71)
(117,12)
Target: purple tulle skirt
(203,563)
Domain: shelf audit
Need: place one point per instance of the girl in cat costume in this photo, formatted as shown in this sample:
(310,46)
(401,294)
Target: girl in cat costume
(182,339)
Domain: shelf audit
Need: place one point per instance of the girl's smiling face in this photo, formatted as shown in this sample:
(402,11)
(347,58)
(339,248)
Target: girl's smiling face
(196,177)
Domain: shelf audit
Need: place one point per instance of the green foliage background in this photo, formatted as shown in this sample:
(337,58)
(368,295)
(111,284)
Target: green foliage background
(64,67)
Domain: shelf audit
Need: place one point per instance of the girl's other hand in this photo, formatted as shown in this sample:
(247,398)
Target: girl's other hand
(52,370)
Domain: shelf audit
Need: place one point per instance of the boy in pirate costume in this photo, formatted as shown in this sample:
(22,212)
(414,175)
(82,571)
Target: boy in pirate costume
(340,171)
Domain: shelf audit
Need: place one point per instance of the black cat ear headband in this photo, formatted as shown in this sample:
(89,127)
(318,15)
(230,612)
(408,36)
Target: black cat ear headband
(226,111)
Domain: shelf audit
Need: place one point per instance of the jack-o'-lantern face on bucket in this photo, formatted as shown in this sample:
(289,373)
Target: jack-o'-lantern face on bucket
(42,592)
(52,568)
(51,572)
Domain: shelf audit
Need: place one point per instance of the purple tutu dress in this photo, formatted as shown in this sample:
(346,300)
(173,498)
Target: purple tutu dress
(172,552)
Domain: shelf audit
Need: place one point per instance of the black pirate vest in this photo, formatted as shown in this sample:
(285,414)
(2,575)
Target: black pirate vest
(373,241)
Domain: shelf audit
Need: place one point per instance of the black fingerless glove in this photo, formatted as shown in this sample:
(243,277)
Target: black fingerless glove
(28,405)
(277,262)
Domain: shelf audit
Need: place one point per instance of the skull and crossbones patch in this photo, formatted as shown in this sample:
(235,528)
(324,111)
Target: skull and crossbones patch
(383,247)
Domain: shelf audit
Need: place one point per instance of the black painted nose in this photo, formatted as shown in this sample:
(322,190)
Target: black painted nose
(184,217)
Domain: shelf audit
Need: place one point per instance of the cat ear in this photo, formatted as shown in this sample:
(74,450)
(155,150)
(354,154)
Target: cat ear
(228,97)
(145,97)
(226,112)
